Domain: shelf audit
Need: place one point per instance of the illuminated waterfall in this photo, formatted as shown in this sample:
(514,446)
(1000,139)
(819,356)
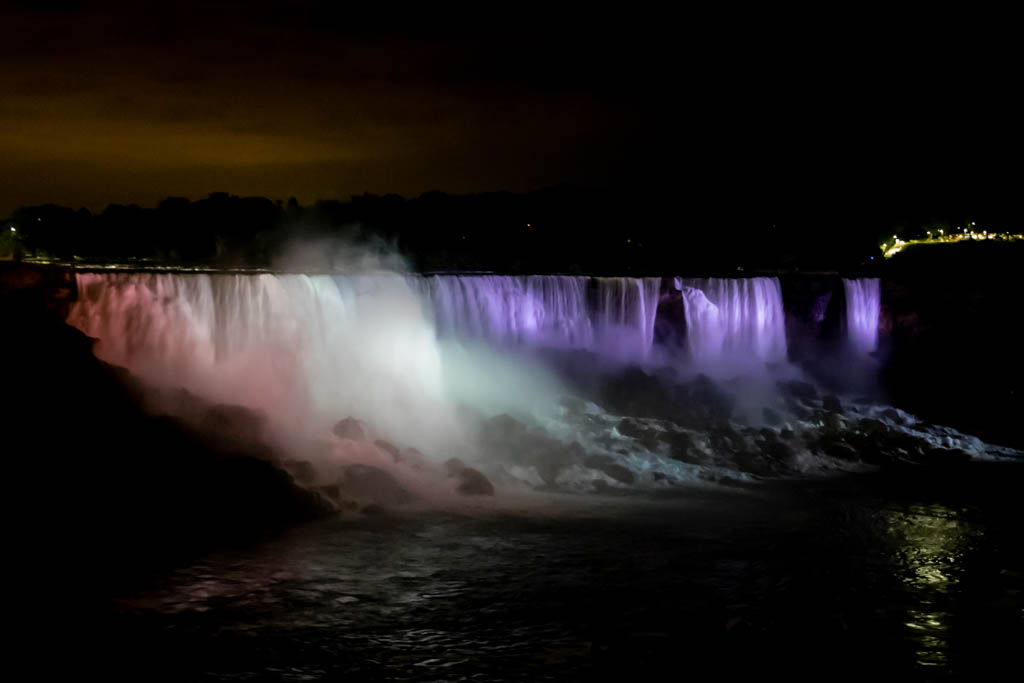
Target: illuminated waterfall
(730,319)
(863,303)
(612,316)
(541,310)
(306,350)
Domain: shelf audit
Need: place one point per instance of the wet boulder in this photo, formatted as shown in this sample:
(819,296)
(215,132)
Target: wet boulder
(470,481)
(510,439)
(837,448)
(635,392)
(681,447)
(777,450)
(831,422)
(364,482)
(702,403)
(350,428)
(302,471)
(893,415)
(389,448)
(645,434)
(607,465)
(803,391)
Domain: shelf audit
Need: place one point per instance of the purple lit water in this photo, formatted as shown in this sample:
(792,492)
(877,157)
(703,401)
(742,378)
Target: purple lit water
(737,318)
(863,302)
(612,316)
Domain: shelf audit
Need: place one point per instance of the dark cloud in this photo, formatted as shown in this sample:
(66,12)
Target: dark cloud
(123,102)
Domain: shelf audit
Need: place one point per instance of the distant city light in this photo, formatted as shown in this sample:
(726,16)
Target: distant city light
(926,237)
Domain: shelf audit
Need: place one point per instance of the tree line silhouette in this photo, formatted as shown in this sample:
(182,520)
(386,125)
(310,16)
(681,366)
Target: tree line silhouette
(562,230)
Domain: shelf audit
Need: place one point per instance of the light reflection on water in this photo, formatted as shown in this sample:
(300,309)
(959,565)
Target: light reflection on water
(899,587)
(933,541)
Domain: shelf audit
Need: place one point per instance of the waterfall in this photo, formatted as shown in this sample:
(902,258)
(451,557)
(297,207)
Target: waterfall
(540,310)
(612,316)
(310,349)
(734,318)
(306,350)
(863,303)
(626,308)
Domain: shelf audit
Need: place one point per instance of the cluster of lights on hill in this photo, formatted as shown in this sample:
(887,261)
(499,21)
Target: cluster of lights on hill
(896,245)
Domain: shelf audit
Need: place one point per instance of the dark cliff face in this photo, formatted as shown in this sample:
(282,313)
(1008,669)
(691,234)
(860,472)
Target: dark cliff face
(950,339)
(89,472)
(34,289)
(815,309)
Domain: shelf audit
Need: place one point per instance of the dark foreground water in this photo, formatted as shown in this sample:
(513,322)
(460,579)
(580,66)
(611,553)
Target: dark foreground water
(917,575)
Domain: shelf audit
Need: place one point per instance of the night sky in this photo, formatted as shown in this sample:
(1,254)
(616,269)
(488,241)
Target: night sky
(101,102)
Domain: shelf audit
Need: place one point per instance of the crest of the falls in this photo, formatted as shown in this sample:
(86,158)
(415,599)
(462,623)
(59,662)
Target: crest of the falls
(734,318)
(612,316)
(863,303)
(543,310)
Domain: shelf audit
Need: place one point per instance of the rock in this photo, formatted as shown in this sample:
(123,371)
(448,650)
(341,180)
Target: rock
(414,457)
(804,391)
(388,448)
(787,434)
(366,482)
(670,321)
(681,447)
(831,422)
(629,426)
(871,427)
(634,392)
(302,470)
(717,405)
(350,428)
(754,463)
(573,405)
(777,450)
(507,438)
(840,449)
(233,421)
(503,427)
(831,404)
(944,457)
(799,410)
(453,466)
(471,481)
(606,464)
(646,435)
(893,415)
(332,491)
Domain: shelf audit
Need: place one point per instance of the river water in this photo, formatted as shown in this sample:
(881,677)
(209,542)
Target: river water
(917,575)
